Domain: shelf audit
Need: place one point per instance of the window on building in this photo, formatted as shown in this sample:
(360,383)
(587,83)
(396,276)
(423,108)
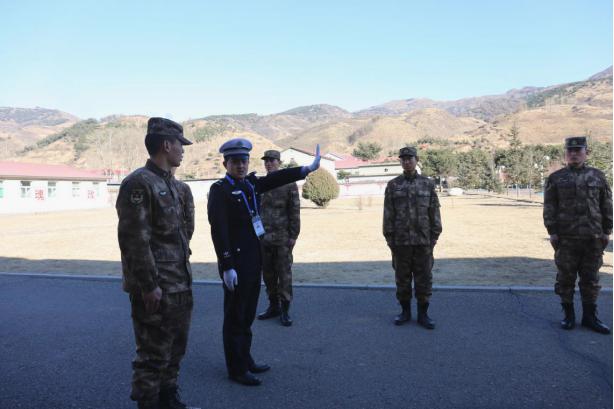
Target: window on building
(1,189)
(76,189)
(96,189)
(26,189)
(51,189)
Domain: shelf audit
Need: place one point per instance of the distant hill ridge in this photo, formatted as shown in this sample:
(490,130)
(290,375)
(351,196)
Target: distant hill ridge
(542,114)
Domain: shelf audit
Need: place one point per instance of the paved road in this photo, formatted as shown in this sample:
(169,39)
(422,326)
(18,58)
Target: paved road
(67,343)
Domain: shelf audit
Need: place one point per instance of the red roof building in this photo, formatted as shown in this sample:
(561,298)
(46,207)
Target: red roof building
(37,171)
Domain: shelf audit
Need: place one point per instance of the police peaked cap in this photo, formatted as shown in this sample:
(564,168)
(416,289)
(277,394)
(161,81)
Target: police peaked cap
(236,147)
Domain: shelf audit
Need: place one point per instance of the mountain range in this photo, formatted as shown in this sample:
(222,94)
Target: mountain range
(541,114)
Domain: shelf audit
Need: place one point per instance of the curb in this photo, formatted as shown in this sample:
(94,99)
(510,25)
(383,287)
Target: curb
(308,285)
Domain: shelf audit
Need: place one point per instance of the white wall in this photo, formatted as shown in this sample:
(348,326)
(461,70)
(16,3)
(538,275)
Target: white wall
(200,188)
(89,196)
(303,159)
(378,170)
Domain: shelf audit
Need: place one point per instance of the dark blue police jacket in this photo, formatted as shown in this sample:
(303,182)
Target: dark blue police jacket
(230,210)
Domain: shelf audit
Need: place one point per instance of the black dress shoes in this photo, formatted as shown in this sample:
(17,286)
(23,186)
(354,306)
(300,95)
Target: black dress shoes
(259,368)
(246,379)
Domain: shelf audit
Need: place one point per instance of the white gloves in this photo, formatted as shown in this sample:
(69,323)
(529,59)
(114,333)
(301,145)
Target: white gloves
(230,279)
(316,162)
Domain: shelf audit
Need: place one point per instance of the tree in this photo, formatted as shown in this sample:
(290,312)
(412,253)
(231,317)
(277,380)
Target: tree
(320,187)
(475,171)
(439,163)
(342,174)
(516,160)
(600,157)
(367,150)
(513,138)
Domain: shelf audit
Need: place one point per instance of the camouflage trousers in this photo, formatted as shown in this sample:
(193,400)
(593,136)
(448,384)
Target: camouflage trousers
(161,340)
(578,257)
(277,272)
(413,263)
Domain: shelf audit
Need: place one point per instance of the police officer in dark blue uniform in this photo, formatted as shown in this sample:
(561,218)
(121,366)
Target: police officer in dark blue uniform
(236,229)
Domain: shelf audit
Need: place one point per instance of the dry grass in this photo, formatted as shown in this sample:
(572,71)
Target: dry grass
(486,241)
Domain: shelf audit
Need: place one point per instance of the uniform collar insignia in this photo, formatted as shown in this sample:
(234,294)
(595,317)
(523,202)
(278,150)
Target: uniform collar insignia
(155,169)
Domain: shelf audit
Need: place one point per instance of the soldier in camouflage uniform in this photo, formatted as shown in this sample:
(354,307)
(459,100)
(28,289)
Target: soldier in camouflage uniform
(412,225)
(281,219)
(187,203)
(154,242)
(578,217)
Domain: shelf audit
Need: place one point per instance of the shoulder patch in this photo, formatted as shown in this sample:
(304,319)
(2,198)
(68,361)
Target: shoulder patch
(137,196)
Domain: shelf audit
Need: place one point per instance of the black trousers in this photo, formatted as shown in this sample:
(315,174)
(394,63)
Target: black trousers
(239,314)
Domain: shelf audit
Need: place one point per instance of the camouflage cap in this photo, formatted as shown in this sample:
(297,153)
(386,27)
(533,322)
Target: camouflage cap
(407,151)
(575,142)
(165,127)
(271,154)
(236,147)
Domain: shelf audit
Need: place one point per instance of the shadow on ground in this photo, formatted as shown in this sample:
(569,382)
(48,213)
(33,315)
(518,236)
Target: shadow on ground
(509,205)
(69,343)
(515,271)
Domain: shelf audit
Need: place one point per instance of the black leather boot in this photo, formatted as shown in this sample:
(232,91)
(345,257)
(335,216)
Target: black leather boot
(272,311)
(169,399)
(590,320)
(148,404)
(423,317)
(285,319)
(405,314)
(570,316)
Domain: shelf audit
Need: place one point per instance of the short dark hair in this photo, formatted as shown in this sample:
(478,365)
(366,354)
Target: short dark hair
(153,143)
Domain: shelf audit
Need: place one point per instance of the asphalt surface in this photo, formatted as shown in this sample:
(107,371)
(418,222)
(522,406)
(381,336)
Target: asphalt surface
(68,343)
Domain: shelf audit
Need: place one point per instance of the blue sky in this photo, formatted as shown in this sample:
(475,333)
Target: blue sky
(188,59)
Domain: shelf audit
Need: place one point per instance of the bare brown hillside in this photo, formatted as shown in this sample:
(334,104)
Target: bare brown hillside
(389,131)
(20,127)
(118,144)
(542,115)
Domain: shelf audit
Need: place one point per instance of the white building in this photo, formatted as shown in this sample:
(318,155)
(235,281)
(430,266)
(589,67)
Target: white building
(366,178)
(355,167)
(29,187)
(304,158)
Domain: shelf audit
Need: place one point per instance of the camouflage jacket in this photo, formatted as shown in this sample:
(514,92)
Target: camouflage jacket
(280,211)
(578,203)
(411,211)
(187,203)
(152,234)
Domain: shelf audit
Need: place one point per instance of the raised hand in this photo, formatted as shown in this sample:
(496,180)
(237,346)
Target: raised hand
(316,161)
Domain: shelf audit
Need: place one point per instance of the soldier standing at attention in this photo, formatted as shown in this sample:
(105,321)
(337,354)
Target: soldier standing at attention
(187,202)
(280,212)
(412,225)
(236,229)
(154,243)
(578,217)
